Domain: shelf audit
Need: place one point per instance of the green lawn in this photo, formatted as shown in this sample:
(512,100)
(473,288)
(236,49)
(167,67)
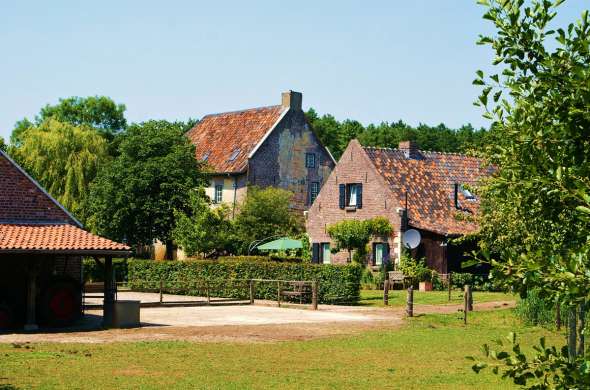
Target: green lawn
(397,298)
(426,352)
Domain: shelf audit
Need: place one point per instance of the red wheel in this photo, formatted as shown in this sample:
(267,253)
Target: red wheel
(60,303)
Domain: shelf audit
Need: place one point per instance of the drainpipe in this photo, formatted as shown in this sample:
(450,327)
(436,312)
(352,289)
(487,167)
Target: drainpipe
(233,211)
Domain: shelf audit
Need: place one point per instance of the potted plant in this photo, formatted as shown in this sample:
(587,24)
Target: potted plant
(425,280)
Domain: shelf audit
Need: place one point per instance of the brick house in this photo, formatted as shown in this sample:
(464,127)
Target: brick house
(266,146)
(41,249)
(416,189)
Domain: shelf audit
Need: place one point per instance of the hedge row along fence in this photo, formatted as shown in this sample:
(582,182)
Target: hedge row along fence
(229,278)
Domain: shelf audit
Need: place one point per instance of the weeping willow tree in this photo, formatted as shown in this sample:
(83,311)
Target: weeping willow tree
(64,159)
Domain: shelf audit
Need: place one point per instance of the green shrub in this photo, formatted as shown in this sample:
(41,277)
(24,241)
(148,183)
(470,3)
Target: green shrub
(534,310)
(228,277)
(95,273)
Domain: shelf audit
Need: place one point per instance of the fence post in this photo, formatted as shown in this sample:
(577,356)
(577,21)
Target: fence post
(279,293)
(410,302)
(469,298)
(251,291)
(465,300)
(386,292)
(558,316)
(161,294)
(208,293)
(449,282)
(314,294)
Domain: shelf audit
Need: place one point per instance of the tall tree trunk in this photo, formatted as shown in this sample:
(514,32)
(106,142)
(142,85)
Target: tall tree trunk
(582,325)
(571,332)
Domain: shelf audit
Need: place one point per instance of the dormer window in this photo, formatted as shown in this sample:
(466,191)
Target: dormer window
(234,154)
(467,194)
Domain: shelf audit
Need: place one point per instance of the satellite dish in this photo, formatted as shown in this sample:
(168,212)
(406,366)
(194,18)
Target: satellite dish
(411,239)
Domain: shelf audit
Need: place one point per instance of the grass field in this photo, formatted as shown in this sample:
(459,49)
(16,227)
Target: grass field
(397,298)
(426,352)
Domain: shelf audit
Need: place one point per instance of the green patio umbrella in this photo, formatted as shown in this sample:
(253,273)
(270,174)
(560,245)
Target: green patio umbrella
(281,244)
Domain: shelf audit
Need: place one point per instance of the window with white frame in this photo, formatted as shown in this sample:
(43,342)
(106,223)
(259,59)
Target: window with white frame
(218,196)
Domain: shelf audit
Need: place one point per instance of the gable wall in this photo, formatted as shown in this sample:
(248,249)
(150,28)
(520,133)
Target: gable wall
(353,167)
(22,201)
(280,160)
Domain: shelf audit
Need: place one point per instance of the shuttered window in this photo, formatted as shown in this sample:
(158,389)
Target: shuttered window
(351,195)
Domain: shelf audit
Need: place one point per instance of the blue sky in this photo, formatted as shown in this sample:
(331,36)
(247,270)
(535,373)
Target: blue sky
(368,60)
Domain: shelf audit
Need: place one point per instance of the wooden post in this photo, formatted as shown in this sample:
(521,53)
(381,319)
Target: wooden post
(449,282)
(31,323)
(314,294)
(465,305)
(558,316)
(469,297)
(279,293)
(386,292)
(251,292)
(109,296)
(208,293)
(571,332)
(582,325)
(161,294)
(410,302)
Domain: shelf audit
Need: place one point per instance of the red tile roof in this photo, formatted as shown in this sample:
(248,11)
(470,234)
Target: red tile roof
(429,183)
(31,220)
(55,238)
(219,137)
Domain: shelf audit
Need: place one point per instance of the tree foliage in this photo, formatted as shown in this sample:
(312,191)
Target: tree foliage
(336,135)
(98,112)
(204,230)
(355,234)
(536,210)
(64,159)
(153,175)
(266,212)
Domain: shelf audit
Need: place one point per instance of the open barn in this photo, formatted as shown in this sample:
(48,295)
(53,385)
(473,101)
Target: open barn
(41,250)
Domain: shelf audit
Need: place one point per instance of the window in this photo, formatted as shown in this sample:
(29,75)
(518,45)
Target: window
(218,196)
(320,253)
(206,156)
(379,252)
(314,190)
(325,252)
(309,160)
(234,154)
(351,196)
(352,193)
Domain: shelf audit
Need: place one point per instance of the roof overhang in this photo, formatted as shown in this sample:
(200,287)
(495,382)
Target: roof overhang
(65,252)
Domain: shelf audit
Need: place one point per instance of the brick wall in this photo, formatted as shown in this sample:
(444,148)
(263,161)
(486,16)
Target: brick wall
(21,200)
(353,167)
(280,161)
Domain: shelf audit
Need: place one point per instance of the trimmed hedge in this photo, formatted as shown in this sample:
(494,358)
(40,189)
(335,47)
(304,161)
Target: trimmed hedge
(95,273)
(228,277)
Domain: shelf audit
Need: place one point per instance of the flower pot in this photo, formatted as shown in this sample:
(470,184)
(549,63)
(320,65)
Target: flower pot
(425,286)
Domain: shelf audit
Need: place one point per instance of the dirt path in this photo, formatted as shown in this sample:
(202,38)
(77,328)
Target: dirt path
(270,325)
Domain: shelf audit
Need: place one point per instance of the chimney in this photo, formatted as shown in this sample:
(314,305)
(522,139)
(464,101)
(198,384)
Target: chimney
(291,99)
(456,197)
(410,149)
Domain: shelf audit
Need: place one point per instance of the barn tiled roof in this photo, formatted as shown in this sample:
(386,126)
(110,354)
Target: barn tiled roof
(31,220)
(429,181)
(64,237)
(225,140)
